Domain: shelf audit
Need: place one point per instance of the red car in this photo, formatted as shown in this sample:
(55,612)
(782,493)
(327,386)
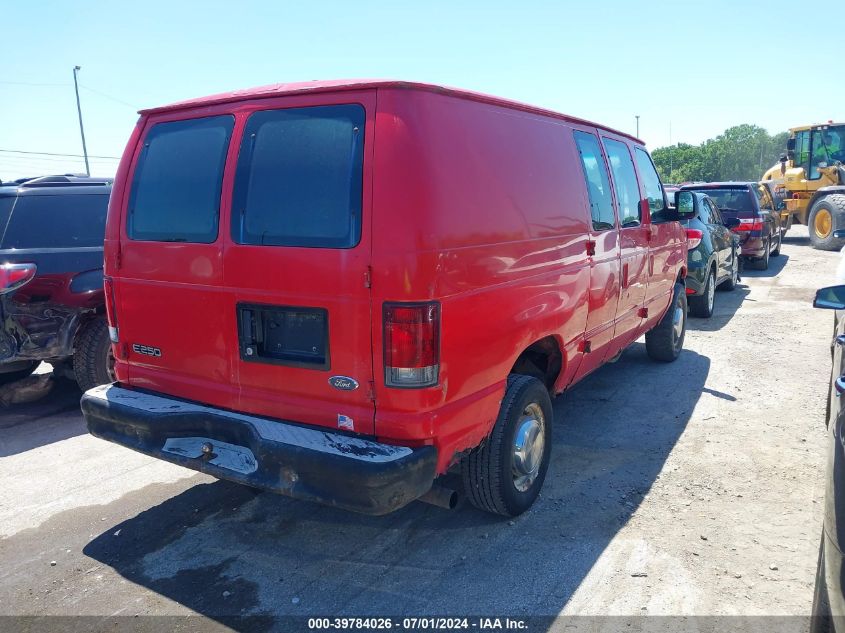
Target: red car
(340,290)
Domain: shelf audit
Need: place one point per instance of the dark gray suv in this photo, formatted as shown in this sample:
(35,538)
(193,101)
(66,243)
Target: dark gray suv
(52,306)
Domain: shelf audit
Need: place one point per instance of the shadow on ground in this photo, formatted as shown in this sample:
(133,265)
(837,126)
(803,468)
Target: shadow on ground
(776,265)
(792,237)
(51,419)
(725,306)
(222,550)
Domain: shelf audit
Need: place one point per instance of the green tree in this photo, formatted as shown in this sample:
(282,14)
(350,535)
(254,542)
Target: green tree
(742,152)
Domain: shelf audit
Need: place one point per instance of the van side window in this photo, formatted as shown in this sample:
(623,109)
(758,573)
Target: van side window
(598,183)
(653,188)
(625,182)
(175,194)
(299,180)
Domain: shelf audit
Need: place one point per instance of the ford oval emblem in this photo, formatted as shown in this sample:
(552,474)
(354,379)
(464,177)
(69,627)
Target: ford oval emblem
(344,383)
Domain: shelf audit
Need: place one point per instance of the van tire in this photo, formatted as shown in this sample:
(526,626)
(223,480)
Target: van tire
(488,471)
(661,342)
(92,357)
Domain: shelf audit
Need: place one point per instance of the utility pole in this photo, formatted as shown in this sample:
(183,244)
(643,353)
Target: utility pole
(670,149)
(76,69)
(637,117)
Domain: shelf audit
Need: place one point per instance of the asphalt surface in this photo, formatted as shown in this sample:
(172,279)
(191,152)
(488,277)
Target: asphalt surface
(692,488)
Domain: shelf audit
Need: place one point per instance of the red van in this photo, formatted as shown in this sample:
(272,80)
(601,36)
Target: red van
(341,290)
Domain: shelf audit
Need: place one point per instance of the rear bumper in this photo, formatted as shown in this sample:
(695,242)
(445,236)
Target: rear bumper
(349,472)
(754,247)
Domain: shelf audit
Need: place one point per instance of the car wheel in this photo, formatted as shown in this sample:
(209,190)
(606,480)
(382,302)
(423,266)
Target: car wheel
(776,250)
(504,475)
(665,341)
(825,216)
(731,283)
(93,360)
(18,374)
(762,263)
(702,306)
(820,621)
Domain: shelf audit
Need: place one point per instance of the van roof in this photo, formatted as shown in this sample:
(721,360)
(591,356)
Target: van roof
(340,85)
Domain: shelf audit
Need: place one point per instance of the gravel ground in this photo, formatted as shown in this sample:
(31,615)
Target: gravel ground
(686,489)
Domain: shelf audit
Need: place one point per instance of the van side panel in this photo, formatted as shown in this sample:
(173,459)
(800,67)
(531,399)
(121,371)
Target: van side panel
(482,208)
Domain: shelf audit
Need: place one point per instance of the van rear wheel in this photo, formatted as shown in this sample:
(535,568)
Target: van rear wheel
(93,361)
(665,341)
(504,475)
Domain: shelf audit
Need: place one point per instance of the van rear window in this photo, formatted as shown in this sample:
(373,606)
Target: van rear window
(730,199)
(175,193)
(299,178)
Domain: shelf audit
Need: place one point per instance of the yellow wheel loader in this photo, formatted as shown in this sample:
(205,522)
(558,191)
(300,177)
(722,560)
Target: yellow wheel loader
(811,180)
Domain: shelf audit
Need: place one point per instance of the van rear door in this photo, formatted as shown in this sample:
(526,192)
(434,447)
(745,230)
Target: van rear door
(173,315)
(243,276)
(296,260)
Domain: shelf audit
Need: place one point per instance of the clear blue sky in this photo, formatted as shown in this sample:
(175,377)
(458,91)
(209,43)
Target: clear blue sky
(703,66)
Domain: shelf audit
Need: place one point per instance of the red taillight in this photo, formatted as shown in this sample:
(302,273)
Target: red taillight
(749,224)
(693,238)
(411,344)
(13,276)
(111,309)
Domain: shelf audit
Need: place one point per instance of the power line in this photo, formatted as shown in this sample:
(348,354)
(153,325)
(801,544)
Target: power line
(30,83)
(89,89)
(115,99)
(18,151)
(51,159)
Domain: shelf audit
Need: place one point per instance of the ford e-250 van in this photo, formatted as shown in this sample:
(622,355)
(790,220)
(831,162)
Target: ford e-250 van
(341,290)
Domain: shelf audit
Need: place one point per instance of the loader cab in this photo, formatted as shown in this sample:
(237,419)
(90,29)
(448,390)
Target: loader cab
(817,147)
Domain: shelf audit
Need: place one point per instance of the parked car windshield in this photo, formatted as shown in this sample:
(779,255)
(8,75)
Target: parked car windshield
(731,199)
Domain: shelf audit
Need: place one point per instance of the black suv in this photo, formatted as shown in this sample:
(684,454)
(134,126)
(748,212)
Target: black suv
(713,251)
(52,306)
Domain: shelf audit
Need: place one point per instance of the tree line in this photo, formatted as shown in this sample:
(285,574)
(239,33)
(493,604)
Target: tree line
(742,152)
